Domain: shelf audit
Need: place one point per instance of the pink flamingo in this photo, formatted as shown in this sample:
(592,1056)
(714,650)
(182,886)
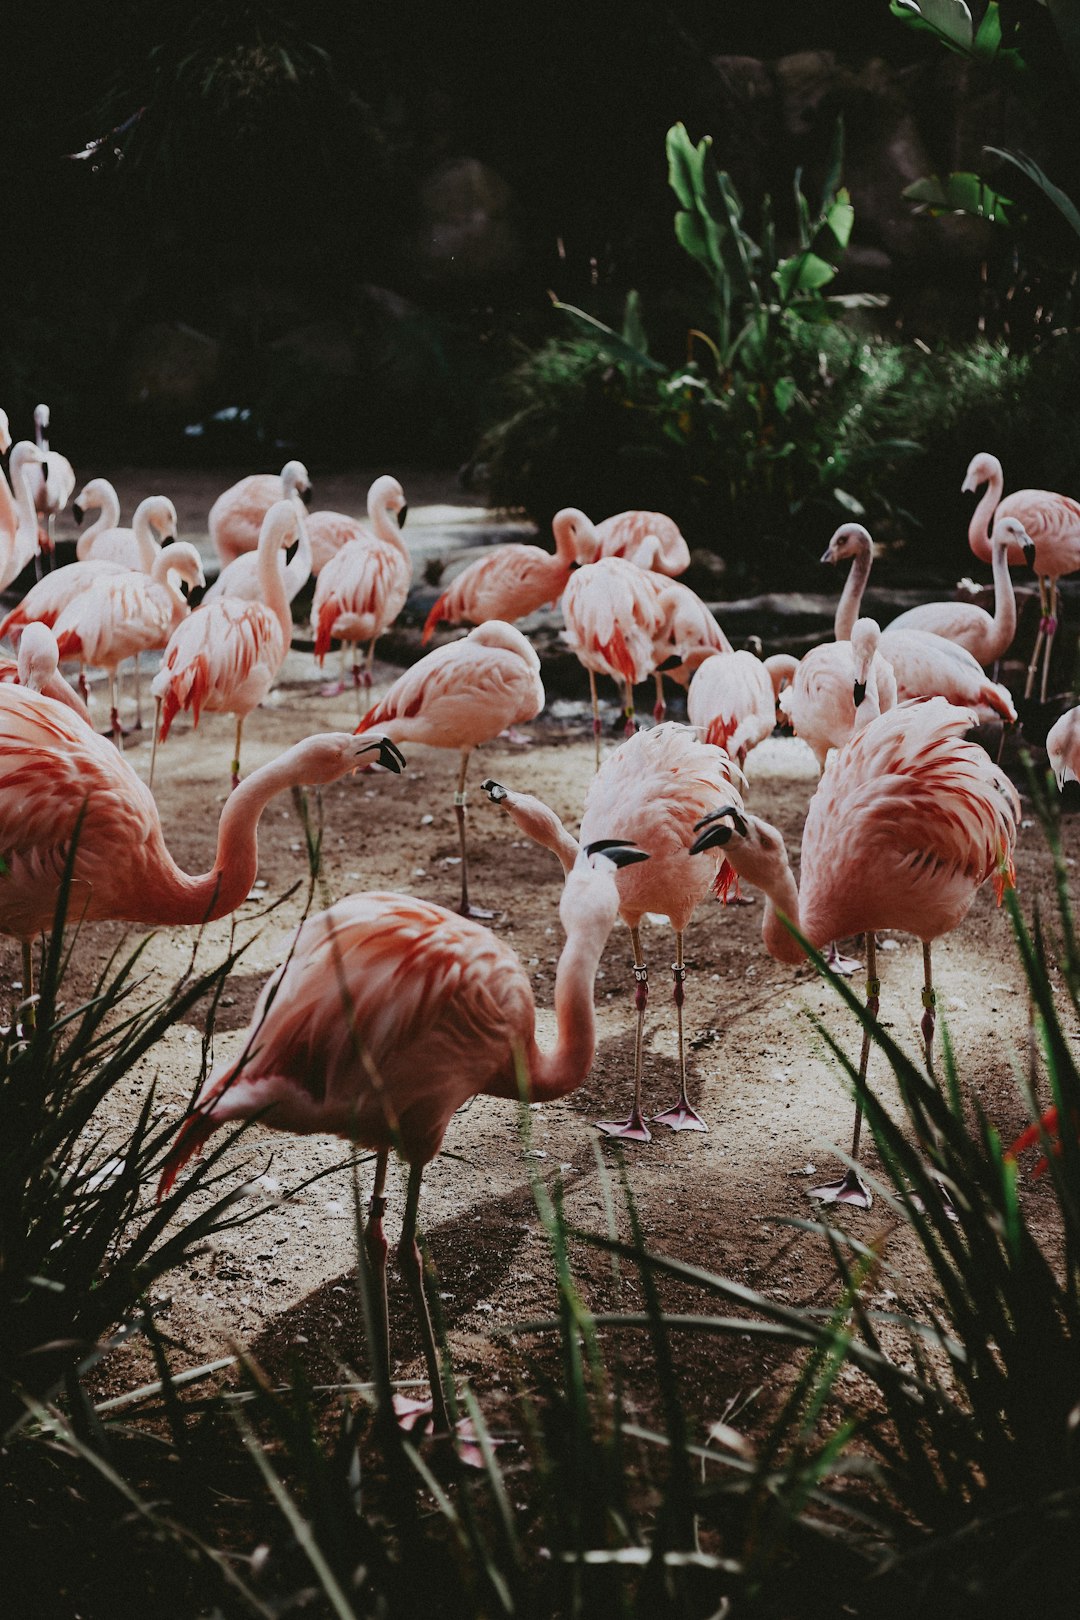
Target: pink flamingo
(924,664)
(689,633)
(614,620)
(732,702)
(838,687)
(153,525)
(45,601)
(387,510)
(53,484)
(224,657)
(240,578)
(1051,549)
(58,777)
(122,615)
(19,528)
(37,668)
(1063,747)
(652,790)
(237,516)
(5,433)
(987,637)
(100,496)
(648,539)
(459,696)
(359,593)
(388,1015)
(512,580)
(907,824)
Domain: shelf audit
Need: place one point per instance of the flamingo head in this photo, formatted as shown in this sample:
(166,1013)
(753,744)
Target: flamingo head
(865,640)
(1062,742)
(41,417)
(159,513)
(333,754)
(590,894)
(575,535)
(982,469)
(850,540)
(294,477)
(38,658)
(1009,531)
(754,849)
(92,497)
(387,496)
(182,559)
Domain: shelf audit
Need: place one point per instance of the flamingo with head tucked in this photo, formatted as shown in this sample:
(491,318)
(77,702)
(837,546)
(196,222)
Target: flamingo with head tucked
(648,539)
(388,1015)
(511,580)
(153,525)
(237,516)
(907,824)
(1051,548)
(652,790)
(614,621)
(225,655)
(37,668)
(387,510)
(459,696)
(732,702)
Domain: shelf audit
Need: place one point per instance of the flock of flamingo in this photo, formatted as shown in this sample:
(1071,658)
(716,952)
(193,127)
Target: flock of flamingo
(391,1011)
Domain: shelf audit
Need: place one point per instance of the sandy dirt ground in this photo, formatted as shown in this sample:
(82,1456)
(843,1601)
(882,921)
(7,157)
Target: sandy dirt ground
(760,1071)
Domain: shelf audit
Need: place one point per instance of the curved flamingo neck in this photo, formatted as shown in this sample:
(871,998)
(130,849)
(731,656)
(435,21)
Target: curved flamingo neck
(272,580)
(540,823)
(298,568)
(384,525)
(108,518)
(979,527)
(1004,621)
(184,898)
(847,609)
(145,539)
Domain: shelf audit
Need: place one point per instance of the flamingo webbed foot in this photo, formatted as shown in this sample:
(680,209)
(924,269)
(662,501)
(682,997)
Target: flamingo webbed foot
(682,1117)
(850,1189)
(477,913)
(838,963)
(631,1129)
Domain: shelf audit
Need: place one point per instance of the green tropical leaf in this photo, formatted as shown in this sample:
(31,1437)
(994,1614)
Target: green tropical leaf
(1060,199)
(802,273)
(617,346)
(950,20)
(959,193)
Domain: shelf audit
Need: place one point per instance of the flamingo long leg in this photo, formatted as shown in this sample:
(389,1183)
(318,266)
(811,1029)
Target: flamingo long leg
(369,673)
(412,1269)
(1034,664)
(375,1247)
(114,712)
(466,909)
(153,746)
(683,1117)
(634,1128)
(631,723)
(138,695)
(1051,631)
(595,716)
(929,1001)
(851,1188)
(236,752)
(659,707)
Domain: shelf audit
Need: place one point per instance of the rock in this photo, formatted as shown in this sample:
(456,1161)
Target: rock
(171,370)
(465,231)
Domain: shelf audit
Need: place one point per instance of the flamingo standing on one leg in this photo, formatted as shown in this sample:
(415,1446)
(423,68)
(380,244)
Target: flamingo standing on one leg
(907,824)
(614,619)
(237,516)
(359,592)
(387,510)
(54,484)
(511,581)
(224,657)
(652,790)
(37,668)
(388,1015)
(123,615)
(1052,548)
(459,696)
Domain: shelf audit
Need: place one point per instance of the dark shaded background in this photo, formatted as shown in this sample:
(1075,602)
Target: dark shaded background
(269,200)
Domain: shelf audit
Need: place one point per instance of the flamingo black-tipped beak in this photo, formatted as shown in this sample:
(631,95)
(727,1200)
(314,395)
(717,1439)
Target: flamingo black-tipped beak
(619,851)
(494,790)
(1028,548)
(967,487)
(826,555)
(77,512)
(402,515)
(44,471)
(390,756)
(859,692)
(717,827)
(674,662)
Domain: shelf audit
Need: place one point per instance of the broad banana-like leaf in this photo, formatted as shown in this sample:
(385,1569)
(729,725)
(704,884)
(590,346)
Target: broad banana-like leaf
(949,19)
(959,193)
(1060,199)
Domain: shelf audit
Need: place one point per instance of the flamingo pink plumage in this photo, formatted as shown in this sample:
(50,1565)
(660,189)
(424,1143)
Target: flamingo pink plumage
(907,824)
(1052,547)
(689,633)
(987,637)
(614,621)
(122,615)
(153,525)
(387,510)
(360,592)
(821,702)
(459,696)
(224,657)
(52,484)
(1063,747)
(100,496)
(924,664)
(57,774)
(237,516)
(45,601)
(648,539)
(513,580)
(652,790)
(37,669)
(18,516)
(388,1015)
(732,702)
